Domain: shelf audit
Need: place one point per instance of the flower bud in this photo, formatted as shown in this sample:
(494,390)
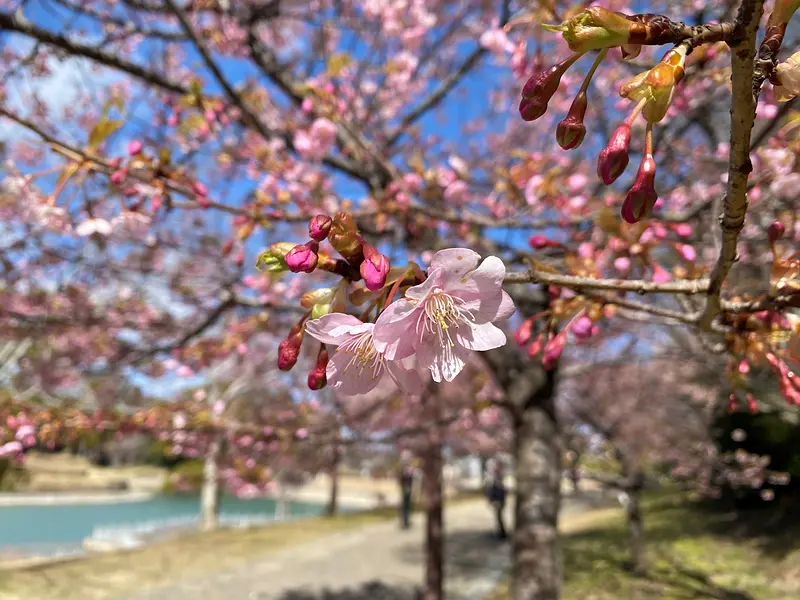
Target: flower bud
(320,310)
(538,242)
(787,75)
(289,348)
(134,147)
(733,403)
(594,28)
(752,405)
(317,378)
(320,296)
(553,351)
(273,260)
(523,334)
(571,130)
(657,85)
(642,195)
(303,257)
(775,231)
(582,328)
(540,88)
(344,238)
(374,268)
(536,345)
(319,227)
(613,159)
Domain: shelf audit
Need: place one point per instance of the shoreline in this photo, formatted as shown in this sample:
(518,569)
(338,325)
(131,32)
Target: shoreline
(10,499)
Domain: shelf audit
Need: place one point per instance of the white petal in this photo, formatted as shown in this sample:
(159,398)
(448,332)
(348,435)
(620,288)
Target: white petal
(335,328)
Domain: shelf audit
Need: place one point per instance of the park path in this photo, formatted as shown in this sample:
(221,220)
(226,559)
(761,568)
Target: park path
(375,562)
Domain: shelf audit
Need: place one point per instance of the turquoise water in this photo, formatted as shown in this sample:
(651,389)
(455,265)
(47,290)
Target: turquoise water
(66,526)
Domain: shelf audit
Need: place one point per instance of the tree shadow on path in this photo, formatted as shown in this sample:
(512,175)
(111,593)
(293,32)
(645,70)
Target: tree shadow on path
(373,590)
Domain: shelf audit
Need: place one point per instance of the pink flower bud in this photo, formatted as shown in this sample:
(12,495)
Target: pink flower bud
(317,378)
(536,346)
(744,367)
(117,177)
(319,227)
(642,195)
(374,268)
(540,88)
(303,258)
(553,351)
(622,264)
(660,275)
(571,130)
(613,159)
(687,252)
(582,328)
(775,231)
(134,147)
(684,229)
(199,189)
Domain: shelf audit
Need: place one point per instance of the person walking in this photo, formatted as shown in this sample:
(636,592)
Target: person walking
(406,480)
(496,494)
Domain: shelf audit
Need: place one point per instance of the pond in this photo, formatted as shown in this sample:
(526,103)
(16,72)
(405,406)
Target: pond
(54,529)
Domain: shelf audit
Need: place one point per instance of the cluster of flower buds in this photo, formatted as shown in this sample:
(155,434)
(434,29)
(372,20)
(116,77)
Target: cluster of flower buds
(359,261)
(597,28)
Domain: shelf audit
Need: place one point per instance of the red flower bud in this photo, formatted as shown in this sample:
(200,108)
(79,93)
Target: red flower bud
(642,196)
(374,268)
(571,130)
(536,346)
(613,159)
(539,242)
(318,378)
(733,403)
(744,367)
(775,231)
(303,258)
(117,177)
(289,348)
(319,227)
(523,334)
(540,88)
(752,405)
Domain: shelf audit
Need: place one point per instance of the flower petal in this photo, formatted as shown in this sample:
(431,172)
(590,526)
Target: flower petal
(335,328)
(444,366)
(481,337)
(409,380)
(455,262)
(394,332)
(352,381)
(421,291)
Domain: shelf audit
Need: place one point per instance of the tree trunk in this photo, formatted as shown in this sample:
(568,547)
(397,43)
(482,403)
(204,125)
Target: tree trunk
(537,567)
(636,531)
(333,498)
(209,494)
(434,522)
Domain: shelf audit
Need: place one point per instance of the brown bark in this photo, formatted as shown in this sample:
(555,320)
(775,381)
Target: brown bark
(636,532)
(333,499)
(434,522)
(537,564)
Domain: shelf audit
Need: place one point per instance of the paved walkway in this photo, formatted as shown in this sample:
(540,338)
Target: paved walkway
(378,562)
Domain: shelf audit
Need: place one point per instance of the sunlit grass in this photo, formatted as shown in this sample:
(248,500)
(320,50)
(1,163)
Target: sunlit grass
(693,554)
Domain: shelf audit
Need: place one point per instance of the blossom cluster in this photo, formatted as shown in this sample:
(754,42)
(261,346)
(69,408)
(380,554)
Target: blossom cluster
(437,320)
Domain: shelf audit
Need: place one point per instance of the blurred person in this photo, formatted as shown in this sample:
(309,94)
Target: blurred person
(406,480)
(496,494)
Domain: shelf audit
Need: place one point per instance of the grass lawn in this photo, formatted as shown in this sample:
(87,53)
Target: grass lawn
(102,576)
(693,554)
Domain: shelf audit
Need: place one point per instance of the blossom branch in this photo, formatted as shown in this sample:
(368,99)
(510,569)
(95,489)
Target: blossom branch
(695,286)
(743,113)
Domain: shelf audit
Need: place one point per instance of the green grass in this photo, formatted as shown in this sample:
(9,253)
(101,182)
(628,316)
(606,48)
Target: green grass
(693,554)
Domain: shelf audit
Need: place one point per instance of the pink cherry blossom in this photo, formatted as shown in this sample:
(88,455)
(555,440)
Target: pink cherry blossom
(357,366)
(450,314)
